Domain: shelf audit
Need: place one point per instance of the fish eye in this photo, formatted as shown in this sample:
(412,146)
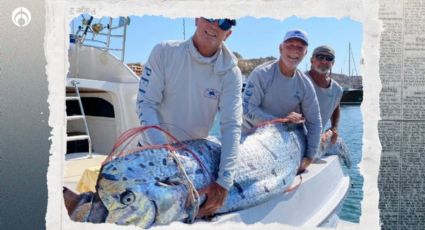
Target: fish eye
(127,197)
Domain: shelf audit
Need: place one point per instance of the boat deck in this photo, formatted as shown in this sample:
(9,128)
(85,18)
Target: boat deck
(76,165)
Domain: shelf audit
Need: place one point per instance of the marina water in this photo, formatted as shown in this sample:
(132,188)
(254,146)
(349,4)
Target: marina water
(351,131)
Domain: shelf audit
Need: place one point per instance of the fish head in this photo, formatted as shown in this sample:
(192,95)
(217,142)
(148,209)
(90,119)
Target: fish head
(126,204)
(143,195)
(143,205)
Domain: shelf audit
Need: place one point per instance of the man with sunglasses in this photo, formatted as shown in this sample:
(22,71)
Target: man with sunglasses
(278,89)
(183,85)
(328,91)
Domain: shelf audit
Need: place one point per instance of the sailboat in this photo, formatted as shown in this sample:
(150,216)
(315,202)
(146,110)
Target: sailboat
(351,96)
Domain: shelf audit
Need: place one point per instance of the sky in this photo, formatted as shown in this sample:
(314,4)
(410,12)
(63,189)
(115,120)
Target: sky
(251,37)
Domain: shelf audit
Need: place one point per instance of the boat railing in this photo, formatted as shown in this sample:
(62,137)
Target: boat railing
(99,39)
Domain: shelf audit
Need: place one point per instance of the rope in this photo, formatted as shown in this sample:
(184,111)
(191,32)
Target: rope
(273,121)
(192,201)
(290,189)
(130,134)
(123,141)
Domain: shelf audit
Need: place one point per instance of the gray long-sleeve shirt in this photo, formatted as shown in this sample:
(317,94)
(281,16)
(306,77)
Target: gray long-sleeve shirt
(328,98)
(183,90)
(269,94)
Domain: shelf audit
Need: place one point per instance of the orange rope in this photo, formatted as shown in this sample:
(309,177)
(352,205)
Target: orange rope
(273,121)
(290,189)
(130,134)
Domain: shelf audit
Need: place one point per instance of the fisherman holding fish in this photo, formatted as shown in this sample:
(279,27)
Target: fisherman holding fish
(183,86)
(328,91)
(278,89)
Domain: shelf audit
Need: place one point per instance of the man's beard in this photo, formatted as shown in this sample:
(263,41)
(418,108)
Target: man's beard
(322,70)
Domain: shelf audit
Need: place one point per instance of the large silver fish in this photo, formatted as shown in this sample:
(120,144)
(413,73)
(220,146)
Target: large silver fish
(157,186)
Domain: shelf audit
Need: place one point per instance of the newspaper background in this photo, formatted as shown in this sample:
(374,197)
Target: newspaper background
(58,16)
(402,101)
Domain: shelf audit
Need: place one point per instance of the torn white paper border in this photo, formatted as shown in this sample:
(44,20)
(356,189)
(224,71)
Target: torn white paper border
(58,16)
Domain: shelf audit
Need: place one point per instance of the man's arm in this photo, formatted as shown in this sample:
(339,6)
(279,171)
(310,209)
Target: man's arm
(252,98)
(313,123)
(336,113)
(334,124)
(151,87)
(230,107)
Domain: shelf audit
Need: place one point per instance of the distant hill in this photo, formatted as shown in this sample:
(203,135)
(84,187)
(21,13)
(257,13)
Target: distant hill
(248,65)
(245,65)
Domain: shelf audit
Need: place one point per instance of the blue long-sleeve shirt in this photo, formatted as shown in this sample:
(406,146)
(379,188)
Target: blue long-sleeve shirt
(269,94)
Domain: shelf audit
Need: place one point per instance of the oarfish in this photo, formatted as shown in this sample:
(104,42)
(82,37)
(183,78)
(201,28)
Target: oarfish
(158,185)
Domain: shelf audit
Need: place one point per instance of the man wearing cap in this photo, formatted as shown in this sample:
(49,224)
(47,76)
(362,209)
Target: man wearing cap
(278,89)
(328,91)
(184,84)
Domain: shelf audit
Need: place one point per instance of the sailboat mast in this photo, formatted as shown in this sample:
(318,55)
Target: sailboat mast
(349,59)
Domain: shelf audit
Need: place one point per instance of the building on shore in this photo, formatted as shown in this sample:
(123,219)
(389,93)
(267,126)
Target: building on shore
(348,82)
(136,67)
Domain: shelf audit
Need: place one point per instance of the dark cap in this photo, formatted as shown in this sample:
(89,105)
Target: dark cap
(323,50)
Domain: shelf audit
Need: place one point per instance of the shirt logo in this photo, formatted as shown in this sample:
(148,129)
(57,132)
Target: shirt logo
(211,93)
(297,95)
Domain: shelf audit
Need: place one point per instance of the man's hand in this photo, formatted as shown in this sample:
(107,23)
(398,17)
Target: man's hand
(334,135)
(306,161)
(325,136)
(295,118)
(216,195)
(330,133)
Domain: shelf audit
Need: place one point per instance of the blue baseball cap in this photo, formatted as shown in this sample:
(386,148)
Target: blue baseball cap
(296,33)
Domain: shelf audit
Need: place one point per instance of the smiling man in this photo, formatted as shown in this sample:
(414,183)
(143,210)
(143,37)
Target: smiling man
(183,86)
(277,89)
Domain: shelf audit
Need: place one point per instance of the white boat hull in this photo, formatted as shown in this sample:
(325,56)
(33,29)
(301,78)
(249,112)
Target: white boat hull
(321,192)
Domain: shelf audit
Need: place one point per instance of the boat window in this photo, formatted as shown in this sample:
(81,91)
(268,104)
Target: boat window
(93,106)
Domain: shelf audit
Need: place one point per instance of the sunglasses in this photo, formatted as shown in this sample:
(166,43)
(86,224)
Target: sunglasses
(224,24)
(322,57)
